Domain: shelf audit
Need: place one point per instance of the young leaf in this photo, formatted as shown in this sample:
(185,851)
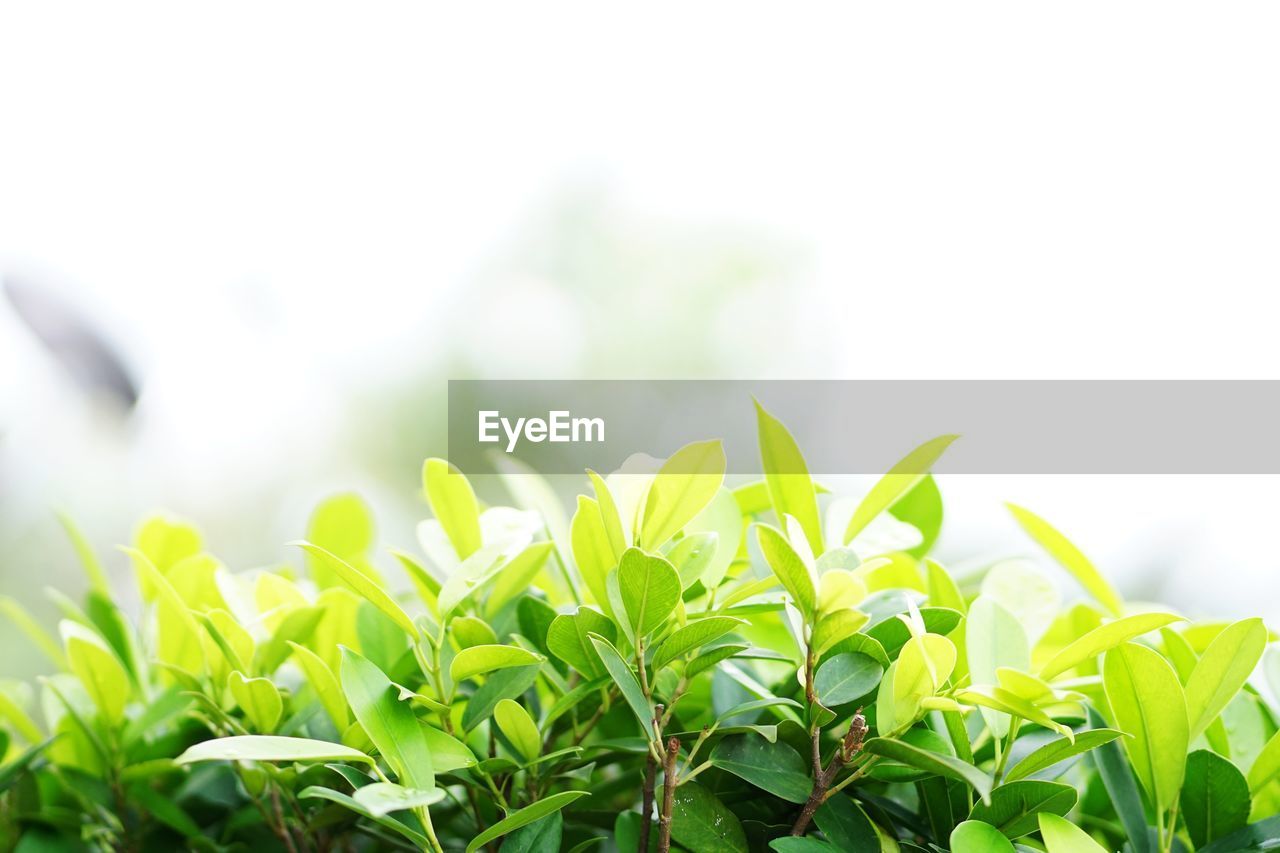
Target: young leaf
(383,798)
(1102,638)
(365,586)
(900,479)
(796,577)
(592,551)
(692,555)
(684,484)
(1060,749)
(626,680)
(454,505)
(1215,797)
(1266,766)
(609,515)
(1148,703)
(259,700)
(269,748)
(1222,670)
(323,682)
(993,639)
(478,660)
(518,726)
(1069,557)
(342,525)
(37,634)
(974,836)
(389,723)
(524,816)
(568,639)
(787,478)
(1062,836)
(650,589)
(693,636)
(99,670)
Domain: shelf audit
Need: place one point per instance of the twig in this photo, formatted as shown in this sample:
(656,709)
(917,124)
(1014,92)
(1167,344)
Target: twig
(650,781)
(849,747)
(669,783)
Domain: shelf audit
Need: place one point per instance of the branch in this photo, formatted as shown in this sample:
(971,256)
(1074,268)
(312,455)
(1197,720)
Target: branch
(668,795)
(849,747)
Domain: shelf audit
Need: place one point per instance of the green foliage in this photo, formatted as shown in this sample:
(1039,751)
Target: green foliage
(792,675)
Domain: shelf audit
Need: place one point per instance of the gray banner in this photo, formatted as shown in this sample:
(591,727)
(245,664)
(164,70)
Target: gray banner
(865,426)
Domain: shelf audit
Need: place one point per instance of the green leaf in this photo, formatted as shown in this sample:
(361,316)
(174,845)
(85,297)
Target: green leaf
(166,539)
(974,836)
(693,636)
(994,638)
(319,793)
(503,684)
(701,822)
(626,680)
(796,576)
(454,505)
(650,588)
(1215,797)
(1222,670)
(835,628)
(269,748)
(1059,750)
(523,817)
(516,577)
(685,483)
(1015,805)
(259,700)
(787,478)
(1263,835)
(801,844)
(382,798)
(774,767)
(592,551)
(568,639)
(847,826)
(1148,704)
(447,752)
(37,634)
(1102,638)
(900,479)
(364,585)
(692,555)
(99,670)
(609,515)
(518,726)
(84,551)
(479,660)
(1266,766)
(1117,777)
(342,525)
(389,722)
(544,835)
(1062,836)
(846,677)
(931,762)
(1069,557)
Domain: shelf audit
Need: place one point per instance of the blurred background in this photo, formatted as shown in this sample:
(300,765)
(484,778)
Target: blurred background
(243,246)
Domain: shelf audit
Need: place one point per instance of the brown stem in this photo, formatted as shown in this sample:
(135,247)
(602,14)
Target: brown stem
(282,831)
(646,806)
(849,747)
(668,795)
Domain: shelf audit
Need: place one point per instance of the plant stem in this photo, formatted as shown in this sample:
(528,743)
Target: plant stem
(1003,758)
(646,805)
(669,783)
(822,779)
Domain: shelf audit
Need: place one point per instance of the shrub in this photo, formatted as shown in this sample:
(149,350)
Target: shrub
(680,666)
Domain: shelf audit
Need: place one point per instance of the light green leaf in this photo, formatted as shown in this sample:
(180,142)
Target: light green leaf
(179,633)
(1215,797)
(692,555)
(88,559)
(1059,750)
(1102,638)
(1148,704)
(994,638)
(389,723)
(685,483)
(836,627)
(693,636)
(1222,670)
(524,816)
(773,767)
(479,660)
(320,793)
(1062,836)
(623,676)
(99,670)
(1069,557)
(1015,805)
(447,752)
(365,586)
(382,798)
(650,589)
(517,576)
(259,700)
(592,550)
(942,588)
(165,539)
(974,836)
(1266,766)
(518,726)
(846,677)
(269,748)
(22,620)
(454,505)
(786,476)
(342,525)
(567,639)
(909,470)
(796,576)
(324,683)
(932,762)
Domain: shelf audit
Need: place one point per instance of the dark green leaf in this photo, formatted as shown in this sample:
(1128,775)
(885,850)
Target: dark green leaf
(1014,807)
(775,767)
(701,822)
(1215,797)
(846,677)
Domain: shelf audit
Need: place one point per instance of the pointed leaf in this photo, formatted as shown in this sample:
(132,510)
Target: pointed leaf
(900,479)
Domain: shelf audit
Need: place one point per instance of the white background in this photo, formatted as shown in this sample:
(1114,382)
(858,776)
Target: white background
(276,210)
